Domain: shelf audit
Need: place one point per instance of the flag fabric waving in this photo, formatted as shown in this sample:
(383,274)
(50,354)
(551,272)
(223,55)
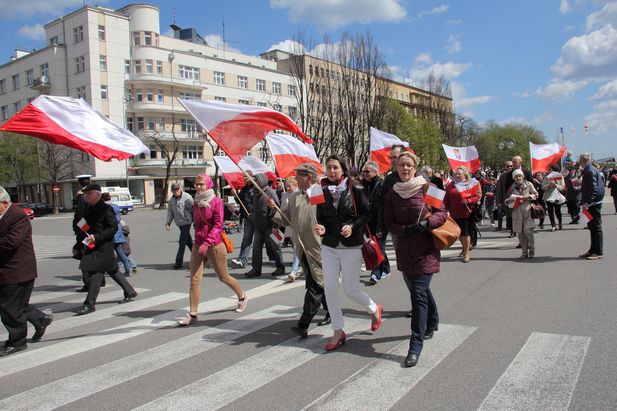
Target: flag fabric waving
(236,128)
(434,196)
(467,188)
(380,148)
(74,123)
(288,152)
(233,174)
(544,155)
(463,156)
(516,201)
(586,216)
(316,196)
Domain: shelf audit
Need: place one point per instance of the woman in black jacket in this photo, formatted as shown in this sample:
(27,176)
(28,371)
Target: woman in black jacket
(341,221)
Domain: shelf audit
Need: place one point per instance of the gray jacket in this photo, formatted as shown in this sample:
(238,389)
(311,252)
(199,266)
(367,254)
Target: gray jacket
(180,210)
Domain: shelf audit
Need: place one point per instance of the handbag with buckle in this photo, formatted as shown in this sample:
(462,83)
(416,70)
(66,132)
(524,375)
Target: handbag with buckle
(371,252)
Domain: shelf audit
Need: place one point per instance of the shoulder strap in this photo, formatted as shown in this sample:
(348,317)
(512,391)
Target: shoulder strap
(353,200)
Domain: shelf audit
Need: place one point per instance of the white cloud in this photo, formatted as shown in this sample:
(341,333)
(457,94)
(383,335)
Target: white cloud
(216,41)
(453,22)
(558,90)
(449,70)
(25,9)
(589,55)
(543,118)
(442,8)
(454,44)
(423,58)
(603,122)
(290,46)
(606,105)
(36,32)
(328,14)
(608,90)
(564,7)
(605,16)
(462,101)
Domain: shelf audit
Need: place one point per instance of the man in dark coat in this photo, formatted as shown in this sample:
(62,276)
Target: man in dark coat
(98,256)
(17,274)
(592,196)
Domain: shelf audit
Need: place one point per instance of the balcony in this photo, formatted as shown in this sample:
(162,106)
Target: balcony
(41,84)
(149,163)
(151,78)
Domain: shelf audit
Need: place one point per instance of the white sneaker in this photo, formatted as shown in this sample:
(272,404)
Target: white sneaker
(187,320)
(242,304)
(238,263)
(291,276)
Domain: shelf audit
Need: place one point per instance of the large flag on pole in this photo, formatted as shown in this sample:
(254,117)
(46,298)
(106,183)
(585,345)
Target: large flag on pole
(74,123)
(380,148)
(463,156)
(544,155)
(236,128)
(233,174)
(288,152)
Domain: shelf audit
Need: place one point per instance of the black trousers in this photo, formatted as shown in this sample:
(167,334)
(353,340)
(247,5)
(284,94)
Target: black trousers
(185,240)
(573,209)
(595,230)
(313,298)
(554,210)
(94,285)
(15,311)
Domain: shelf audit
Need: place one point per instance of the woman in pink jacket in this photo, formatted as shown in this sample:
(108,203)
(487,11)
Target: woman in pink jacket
(208,219)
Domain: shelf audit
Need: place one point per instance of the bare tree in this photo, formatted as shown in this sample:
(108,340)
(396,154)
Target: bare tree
(57,164)
(437,106)
(169,148)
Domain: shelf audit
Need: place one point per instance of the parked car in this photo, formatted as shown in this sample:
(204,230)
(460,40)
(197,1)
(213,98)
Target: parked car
(40,208)
(29,212)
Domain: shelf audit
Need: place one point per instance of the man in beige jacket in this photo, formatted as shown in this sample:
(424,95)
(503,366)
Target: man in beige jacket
(307,244)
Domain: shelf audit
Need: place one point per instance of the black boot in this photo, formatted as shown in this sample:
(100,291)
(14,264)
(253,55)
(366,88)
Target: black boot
(412,359)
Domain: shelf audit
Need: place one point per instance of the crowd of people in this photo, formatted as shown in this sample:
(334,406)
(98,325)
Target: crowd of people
(326,237)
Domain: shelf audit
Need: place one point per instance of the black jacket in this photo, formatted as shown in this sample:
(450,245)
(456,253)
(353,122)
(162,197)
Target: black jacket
(246,196)
(592,186)
(263,215)
(372,191)
(334,218)
(103,225)
(17,260)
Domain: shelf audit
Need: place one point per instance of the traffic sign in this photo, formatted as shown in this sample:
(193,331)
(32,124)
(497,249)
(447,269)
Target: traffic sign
(56,189)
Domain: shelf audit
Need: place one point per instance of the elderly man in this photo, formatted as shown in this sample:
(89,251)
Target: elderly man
(592,196)
(17,274)
(180,210)
(372,186)
(307,244)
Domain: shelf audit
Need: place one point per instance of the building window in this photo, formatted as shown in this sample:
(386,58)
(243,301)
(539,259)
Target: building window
(150,95)
(219,78)
(103,92)
(262,105)
(261,85)
(189,73)
(53,41)
(140,123)
(161,124)
(156,39)
(277,107)
(16,82)
(192,152)
(103,63)
(81,92)
(243,82)
(5,113)
(152,151)
(30,100)
(3,86)
(291,90)
(244,102)
(139,95)
(127,66)
(45,70)
(136,38)
(151,123)
(159,67)
(159,96)
(276,88)
(80,64)
(101,32)
(78,34)
(222,99)
(17,106)
(129,123)
(189,96)
(137,66)
(148,38)
(149,66)
(189,126)
(29,77)
(293,111)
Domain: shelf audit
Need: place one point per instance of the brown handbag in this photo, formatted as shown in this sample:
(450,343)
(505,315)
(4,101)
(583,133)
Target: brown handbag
(446,234)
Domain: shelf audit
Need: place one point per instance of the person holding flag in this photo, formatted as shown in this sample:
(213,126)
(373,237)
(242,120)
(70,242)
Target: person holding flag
(301,212)
(553,185)
(519,198)
(462,196)
(592,196)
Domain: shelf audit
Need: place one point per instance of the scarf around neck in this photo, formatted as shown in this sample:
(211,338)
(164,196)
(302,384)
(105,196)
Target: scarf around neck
(410,188)
(203,199)
(336,190)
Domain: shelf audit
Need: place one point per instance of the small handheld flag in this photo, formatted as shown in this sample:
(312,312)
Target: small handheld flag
(276,236)
(83,225)
(434,196)
(586,216)
(316,195)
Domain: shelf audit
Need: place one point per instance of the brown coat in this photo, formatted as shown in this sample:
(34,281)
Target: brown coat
(17,260)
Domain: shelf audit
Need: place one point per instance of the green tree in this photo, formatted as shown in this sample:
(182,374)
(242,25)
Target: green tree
(497,143)
(18,159)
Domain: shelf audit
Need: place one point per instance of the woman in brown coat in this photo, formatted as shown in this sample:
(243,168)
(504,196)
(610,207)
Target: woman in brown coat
(408,218)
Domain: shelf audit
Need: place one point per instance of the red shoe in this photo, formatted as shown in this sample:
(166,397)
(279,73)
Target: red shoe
(341,341)
(375,325)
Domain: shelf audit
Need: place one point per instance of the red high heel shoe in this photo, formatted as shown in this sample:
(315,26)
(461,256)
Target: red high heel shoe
(375,325)
(334,346)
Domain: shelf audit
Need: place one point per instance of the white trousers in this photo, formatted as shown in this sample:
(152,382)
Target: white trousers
(346,261)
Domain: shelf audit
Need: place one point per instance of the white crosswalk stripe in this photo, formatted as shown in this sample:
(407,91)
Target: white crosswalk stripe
(47,246)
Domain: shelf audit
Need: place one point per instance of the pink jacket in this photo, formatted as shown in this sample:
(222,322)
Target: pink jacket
(208,223)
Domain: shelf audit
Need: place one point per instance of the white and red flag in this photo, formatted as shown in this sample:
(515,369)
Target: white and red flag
(236,128)
(88,242)
(586,216)
(467,188)
(315,194)
(463,156)
(381,142)
(544,155)
(288,152)
(83,225)
(434,196)
(517,201)
(233,174)
(74,123)
(276,235)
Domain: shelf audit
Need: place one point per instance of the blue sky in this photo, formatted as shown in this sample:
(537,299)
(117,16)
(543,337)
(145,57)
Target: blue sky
(547,63)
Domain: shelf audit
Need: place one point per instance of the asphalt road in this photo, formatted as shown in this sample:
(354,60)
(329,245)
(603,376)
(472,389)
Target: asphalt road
(538,334)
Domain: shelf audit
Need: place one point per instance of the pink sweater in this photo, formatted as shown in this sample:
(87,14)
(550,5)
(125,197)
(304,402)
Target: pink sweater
(208,223)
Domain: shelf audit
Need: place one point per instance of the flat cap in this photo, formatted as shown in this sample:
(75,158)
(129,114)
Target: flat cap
(307,168)
(92,187)
(175,186)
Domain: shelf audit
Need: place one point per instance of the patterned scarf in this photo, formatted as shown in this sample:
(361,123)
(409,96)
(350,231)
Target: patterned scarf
(203,199)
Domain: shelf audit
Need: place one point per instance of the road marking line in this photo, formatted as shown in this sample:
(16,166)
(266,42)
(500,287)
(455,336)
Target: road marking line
(542,376)
(394,380)
(75,387)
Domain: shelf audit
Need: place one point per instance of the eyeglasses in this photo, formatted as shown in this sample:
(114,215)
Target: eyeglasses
(509,166)
(366,171)
(200,184)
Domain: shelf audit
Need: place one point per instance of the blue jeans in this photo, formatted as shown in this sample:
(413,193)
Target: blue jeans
(185,240)
(424,314)
(247,240)
(122,258)
(295,261)
(259,239)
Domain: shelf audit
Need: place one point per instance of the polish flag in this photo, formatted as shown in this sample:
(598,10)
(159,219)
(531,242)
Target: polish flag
(463,156)
(518,200)
(288,152)
(467,188)
(74,123)
(434,196)
(380,148)
(276,235)
(233,174)
(544,155)
(88,243)
(554,176)
(586,216)
(236,128)
(83,225)
(316,195)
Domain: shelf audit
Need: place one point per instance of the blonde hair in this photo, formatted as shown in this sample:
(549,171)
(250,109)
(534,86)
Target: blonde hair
(292,180)
(465,171)
(415,158)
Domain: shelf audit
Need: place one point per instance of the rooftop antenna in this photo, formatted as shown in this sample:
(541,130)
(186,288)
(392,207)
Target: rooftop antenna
(225,41)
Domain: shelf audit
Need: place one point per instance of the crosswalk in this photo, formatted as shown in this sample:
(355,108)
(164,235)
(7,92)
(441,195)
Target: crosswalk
(52,246)
(542,375)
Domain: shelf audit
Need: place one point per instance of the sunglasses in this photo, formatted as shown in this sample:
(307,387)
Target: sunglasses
(366,171)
